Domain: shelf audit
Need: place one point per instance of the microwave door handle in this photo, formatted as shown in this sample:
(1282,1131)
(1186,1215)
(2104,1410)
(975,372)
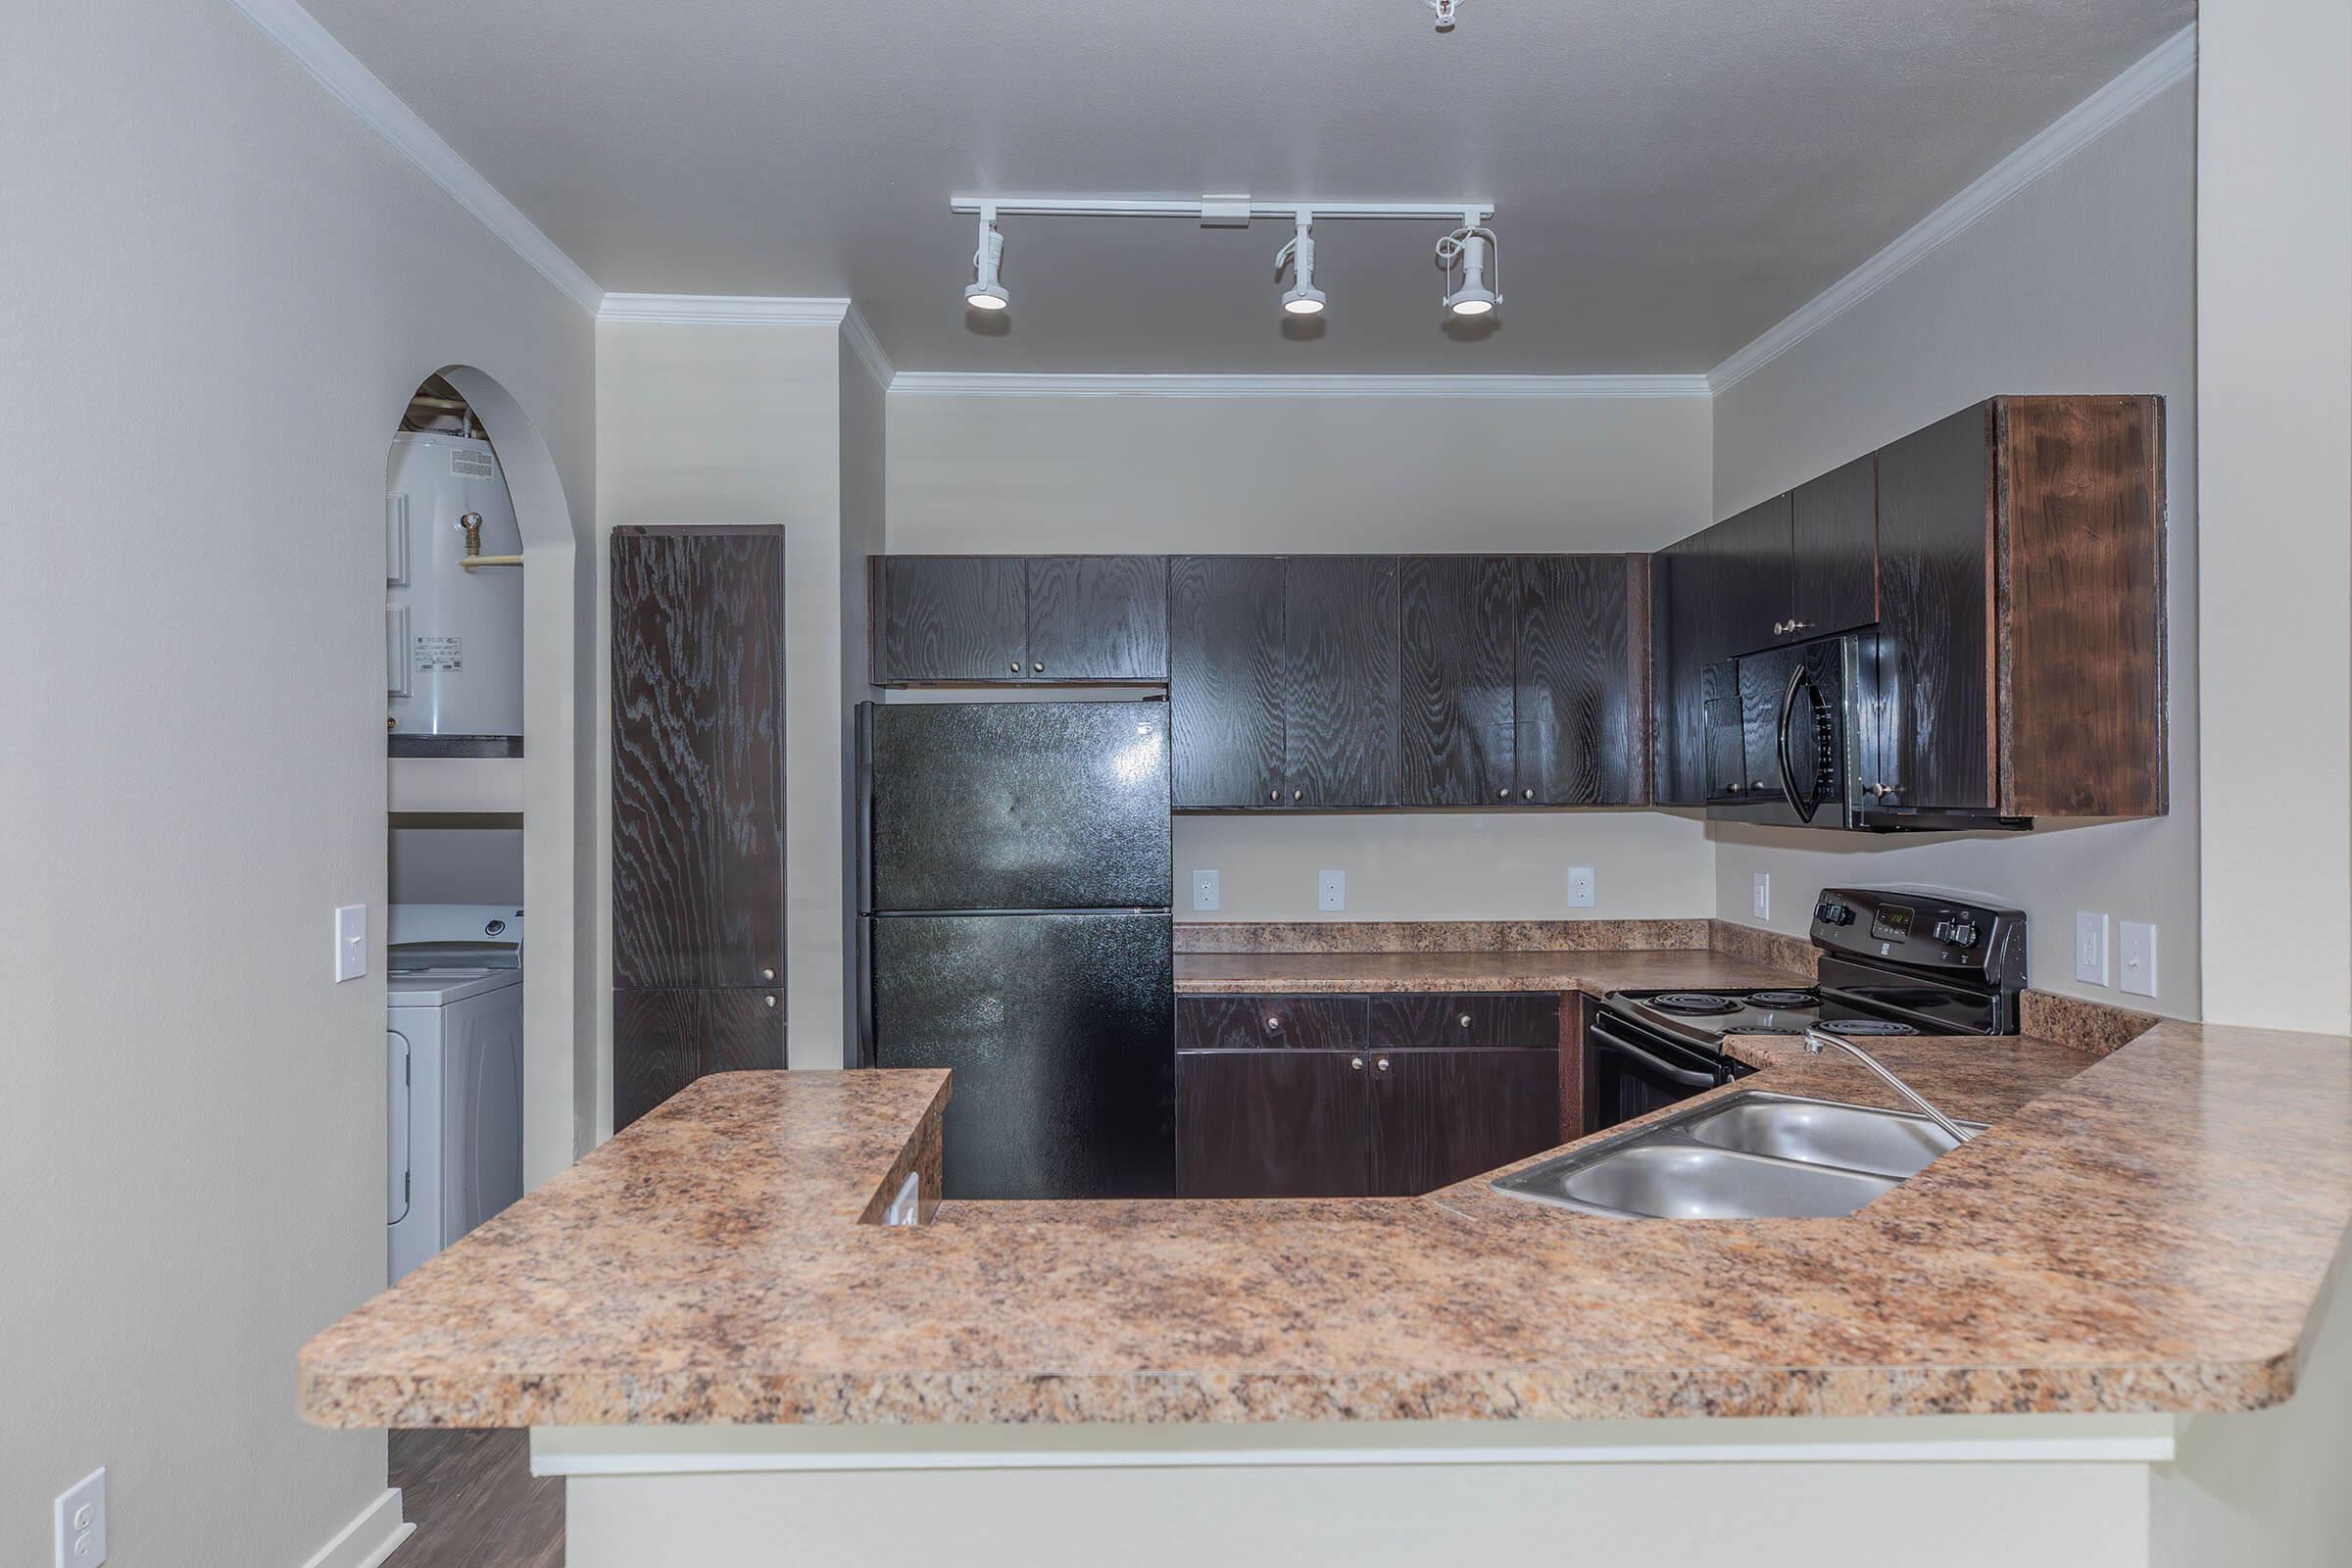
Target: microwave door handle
(1664,1070)
(1796,683)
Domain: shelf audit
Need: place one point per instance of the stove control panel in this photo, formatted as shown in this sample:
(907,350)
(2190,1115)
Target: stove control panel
(1924,928)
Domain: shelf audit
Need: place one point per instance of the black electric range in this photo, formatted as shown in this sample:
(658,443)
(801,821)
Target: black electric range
(1898,961)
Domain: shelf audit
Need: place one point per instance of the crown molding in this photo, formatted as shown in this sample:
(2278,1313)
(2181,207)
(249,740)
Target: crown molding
(2172,61)
(724,310)
(859,336)
(364,93)
(961,383)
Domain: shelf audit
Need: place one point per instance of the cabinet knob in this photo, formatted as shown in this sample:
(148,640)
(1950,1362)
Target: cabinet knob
(1527,794)
(1273,795)
(1017,666)
(1464,1020)
(1297,794)
(1504,794)
(1357,1062)
(767,974)
(771,1000)
(1382,1064)
(1273,1024)
(1039,669)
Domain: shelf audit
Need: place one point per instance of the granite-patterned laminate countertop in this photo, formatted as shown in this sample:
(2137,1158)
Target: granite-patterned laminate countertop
(1293,973)
(2143,1231)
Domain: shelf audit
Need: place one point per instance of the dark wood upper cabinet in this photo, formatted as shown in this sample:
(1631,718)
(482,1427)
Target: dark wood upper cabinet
(1751,583)
(2021,638)
(1834,551)
(950,618)
(1678,751)
(1935,730)
(1225,680)
(1582,692)
(1340,681)
(697,757)
(1458,653)
(1098,617)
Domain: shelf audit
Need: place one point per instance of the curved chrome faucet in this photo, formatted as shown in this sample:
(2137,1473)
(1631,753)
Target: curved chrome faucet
(1818,1040)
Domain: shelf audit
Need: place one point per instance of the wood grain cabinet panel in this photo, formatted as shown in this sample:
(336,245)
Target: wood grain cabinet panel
(1749,580)
(697,757)
(1457,642)
(1834,551)
(950,618)
(1271,1022)
(1340,681)
(1677,707)
(1225,680)
(666,1037)
(1444,1116)
(1098,617)
(1582,698)
(1480,1020)
(1273,1124)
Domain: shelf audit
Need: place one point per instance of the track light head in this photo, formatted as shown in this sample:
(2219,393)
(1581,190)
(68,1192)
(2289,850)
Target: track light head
(985,292)
(1469,245)
(1302,298)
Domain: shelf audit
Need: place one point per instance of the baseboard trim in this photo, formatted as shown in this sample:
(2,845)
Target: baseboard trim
(370,1538)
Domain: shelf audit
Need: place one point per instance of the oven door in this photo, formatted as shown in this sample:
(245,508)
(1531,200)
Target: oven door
(1630,1071)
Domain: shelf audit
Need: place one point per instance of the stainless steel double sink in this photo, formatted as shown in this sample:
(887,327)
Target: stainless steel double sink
(1754,1154)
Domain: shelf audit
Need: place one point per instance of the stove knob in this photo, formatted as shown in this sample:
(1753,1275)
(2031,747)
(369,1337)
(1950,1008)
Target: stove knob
(1834,914)
(1964,935)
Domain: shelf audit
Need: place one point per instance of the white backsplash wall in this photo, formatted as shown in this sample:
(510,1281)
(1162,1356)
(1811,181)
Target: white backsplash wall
(1469,865)
(2083,281)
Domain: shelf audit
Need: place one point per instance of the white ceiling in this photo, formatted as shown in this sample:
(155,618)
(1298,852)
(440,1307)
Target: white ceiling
(1673,176)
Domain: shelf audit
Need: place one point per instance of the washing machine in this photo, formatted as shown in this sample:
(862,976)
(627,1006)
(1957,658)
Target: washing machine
(454,1054)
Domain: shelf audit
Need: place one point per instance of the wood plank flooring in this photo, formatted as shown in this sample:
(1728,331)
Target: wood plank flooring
(474,1501)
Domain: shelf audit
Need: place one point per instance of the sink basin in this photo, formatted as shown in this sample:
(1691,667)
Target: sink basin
(1822,1132)
(1749,1155)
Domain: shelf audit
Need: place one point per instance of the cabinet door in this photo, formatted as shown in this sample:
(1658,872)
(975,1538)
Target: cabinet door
(1457,642)
(1225,687)
(1834,551)
(698,758)
(665,1039)
(1678,665)
(1273,1124)
(951,619)
(1748,579)
(1099,617)
(1936,611)
(1444,1116)
(1340,681)
(1582,700)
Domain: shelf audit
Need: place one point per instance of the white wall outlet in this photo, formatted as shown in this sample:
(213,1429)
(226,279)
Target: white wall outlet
(82,1522)
(2090,946)
(1331,890)
(1205,890)
(2139,959)
(1763,896)
(1579,887)
(351,942)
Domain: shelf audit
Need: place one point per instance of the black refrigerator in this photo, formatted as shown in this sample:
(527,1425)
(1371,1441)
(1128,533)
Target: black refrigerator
(1015,879)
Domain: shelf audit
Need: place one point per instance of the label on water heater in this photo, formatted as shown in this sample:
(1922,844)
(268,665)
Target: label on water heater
(440,653)
(467,463)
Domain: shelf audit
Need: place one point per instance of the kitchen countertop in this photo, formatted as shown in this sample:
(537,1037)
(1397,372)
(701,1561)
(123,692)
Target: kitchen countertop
(2142,1231)
(1269,973)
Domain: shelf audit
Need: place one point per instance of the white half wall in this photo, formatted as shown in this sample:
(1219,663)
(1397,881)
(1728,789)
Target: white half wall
(221,288)
(2083,281)
(1329,474)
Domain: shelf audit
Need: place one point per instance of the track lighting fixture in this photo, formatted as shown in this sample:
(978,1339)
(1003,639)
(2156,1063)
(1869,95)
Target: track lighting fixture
(1445,10)
(1303,298)
(985,293)
(1469,245)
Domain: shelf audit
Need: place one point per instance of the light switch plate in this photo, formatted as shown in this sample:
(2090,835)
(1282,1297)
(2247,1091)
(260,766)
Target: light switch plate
(2139,944)
(2090,946)
(1763,896)
(1331,890)
(1579,887)
(351,942)
(82,1522)
(1205,890)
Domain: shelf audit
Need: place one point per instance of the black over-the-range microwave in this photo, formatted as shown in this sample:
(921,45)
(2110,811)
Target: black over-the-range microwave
(1796,737)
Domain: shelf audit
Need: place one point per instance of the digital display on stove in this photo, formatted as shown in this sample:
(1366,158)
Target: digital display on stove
(1891,923)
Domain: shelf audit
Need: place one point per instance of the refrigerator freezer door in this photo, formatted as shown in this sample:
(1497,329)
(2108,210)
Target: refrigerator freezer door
(1060,1029)
(1018,805)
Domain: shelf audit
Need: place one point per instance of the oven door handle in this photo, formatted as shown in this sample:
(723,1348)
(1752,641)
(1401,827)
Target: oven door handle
(1664,1070)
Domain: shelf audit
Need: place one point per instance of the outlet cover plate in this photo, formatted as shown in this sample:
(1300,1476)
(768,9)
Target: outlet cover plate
(82,1522)
(2139,949)
(1579,887)
(1763,896)
(2090,946)
(1331,890)
(1206,892)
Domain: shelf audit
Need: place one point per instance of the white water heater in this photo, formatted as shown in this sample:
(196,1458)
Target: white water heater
(453,637)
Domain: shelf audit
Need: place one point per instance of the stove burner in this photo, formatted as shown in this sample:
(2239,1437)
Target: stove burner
(1783,998)
(1694,1003)
(1867,1026)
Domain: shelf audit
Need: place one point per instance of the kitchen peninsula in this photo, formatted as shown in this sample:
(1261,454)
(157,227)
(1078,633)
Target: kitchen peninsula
(2144,1236)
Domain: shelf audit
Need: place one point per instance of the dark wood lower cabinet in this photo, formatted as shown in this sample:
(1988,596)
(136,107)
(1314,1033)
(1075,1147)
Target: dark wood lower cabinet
(665,1039)
(1320,1117)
